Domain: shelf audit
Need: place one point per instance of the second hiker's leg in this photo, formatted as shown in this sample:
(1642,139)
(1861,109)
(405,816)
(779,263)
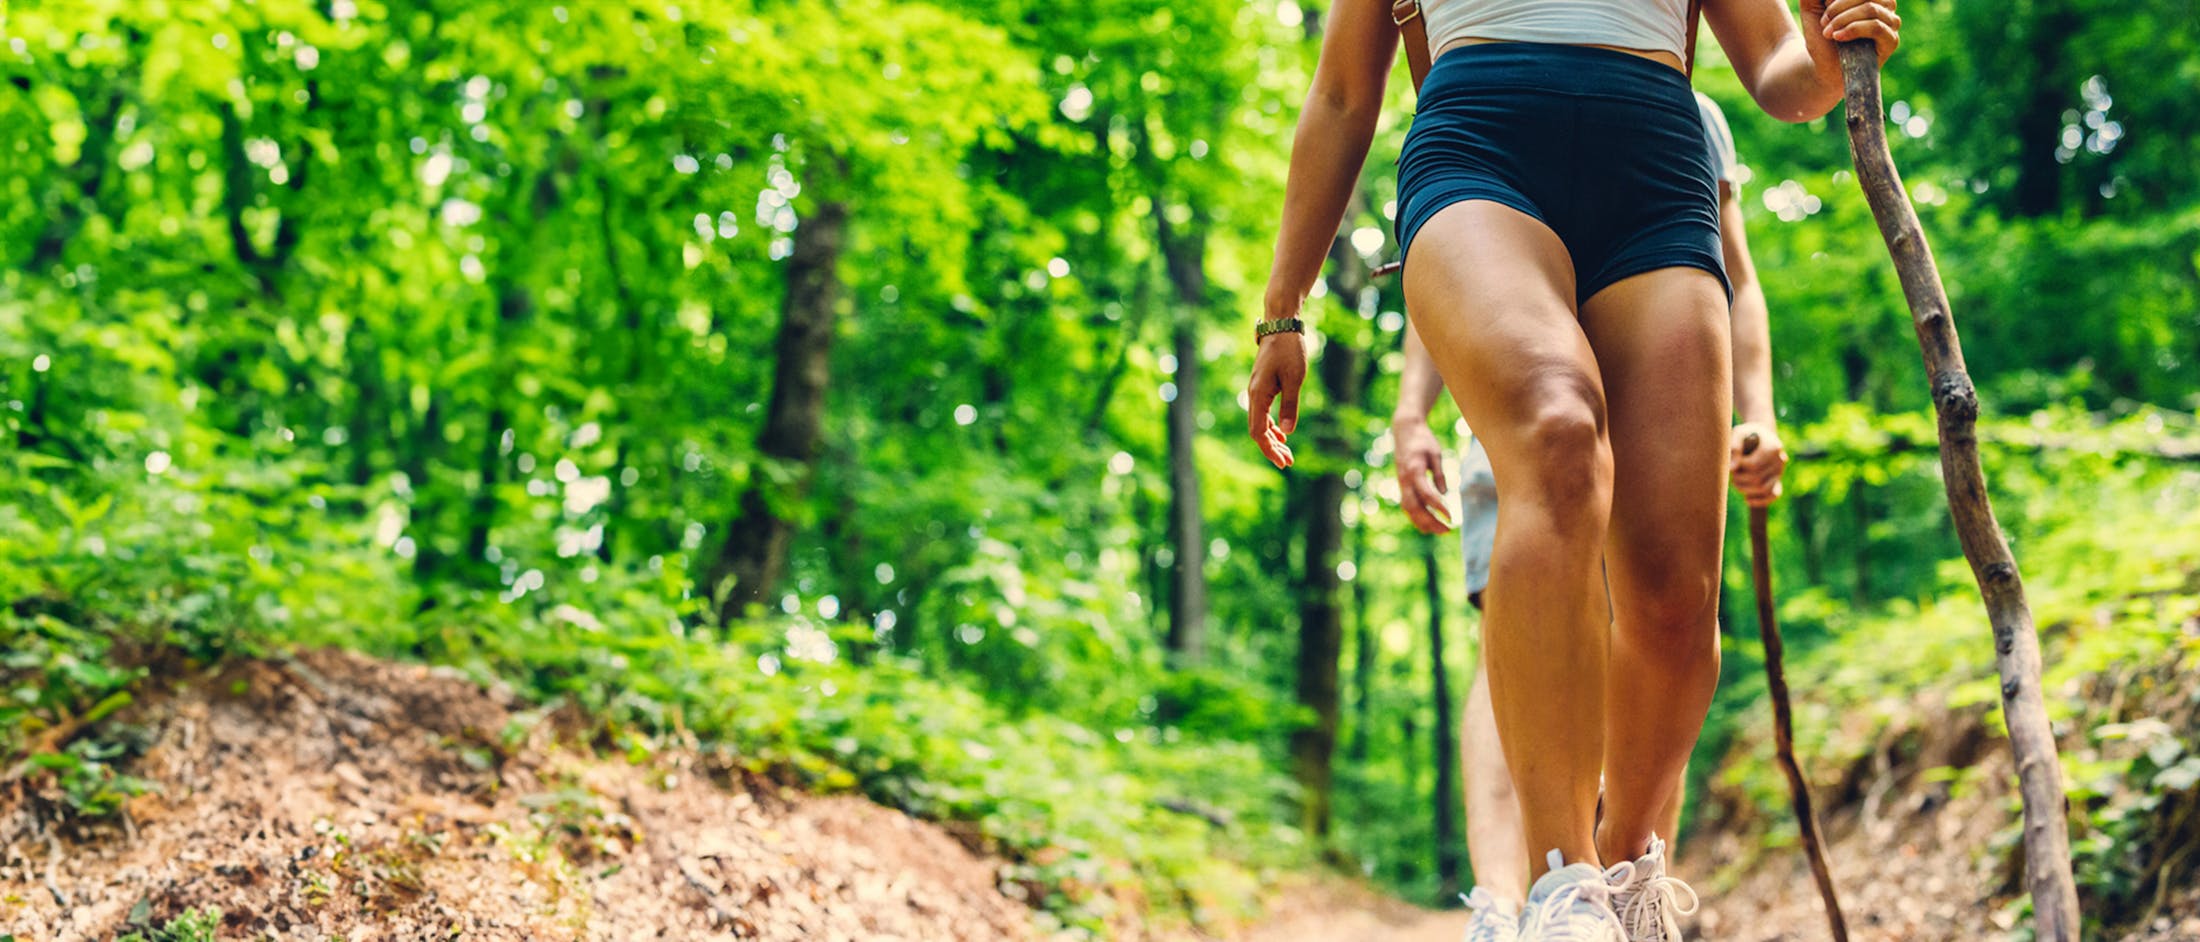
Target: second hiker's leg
(1669,819)
(1495,843)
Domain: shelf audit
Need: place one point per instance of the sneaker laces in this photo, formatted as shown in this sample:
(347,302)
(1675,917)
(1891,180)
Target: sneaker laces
(1491,921)
(1643,905)
(1559,917)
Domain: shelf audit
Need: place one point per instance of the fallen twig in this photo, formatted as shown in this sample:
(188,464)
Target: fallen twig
(1190,808)
(718,915)
(53,856)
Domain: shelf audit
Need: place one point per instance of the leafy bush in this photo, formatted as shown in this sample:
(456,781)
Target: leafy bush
(85,775)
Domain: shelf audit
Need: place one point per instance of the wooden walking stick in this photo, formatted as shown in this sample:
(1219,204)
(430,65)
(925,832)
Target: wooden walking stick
(1783,721)
(2016,643)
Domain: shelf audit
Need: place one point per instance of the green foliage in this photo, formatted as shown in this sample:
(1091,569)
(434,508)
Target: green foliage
(2115,594)
(1084,806)
(194,925)
(445,330)
(90,786)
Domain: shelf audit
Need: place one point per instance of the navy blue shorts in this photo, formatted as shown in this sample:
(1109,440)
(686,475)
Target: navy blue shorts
(1605,148)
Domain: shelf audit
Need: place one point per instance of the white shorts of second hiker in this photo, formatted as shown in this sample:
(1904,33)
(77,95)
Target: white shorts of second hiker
(1573,903)
(1648,901)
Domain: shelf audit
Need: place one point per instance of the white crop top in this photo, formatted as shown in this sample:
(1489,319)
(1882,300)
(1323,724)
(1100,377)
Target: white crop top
(1655,25)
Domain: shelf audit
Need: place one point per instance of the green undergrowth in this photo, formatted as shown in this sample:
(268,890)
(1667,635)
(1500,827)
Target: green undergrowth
(2112,567)
(1086,813)
(1105,813)
(193,925)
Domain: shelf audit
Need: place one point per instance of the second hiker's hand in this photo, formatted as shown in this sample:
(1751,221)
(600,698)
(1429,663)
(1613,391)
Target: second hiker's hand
(1757,474)
(1421,485)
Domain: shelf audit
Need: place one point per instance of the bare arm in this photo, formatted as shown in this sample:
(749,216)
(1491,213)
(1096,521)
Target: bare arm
(1358,44)
(1795,74)
(1752,326)
(1338,121)
(1421,484)
(1757,474)
(1419,384)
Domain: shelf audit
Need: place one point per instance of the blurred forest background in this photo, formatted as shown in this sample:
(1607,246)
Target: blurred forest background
(497,334)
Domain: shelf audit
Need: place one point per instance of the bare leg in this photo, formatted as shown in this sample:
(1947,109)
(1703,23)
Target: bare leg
(1661,342)
(1495,843)
(1669,820)
(1490,289)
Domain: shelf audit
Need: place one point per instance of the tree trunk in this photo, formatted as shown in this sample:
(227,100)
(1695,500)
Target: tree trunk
(2056,917)
(422,445)
(1856,369)
(1449,844)
(1803,519)
(2039,187)
(628,318)
(82,181)
(1321,628)
(1363,653)
(1860,554)
(1185,252)
(514,304)
(1409,728)
(754,556)
(367,426)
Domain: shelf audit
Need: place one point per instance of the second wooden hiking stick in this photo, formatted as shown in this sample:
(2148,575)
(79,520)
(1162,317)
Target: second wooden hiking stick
(2016,641)
(1783,718)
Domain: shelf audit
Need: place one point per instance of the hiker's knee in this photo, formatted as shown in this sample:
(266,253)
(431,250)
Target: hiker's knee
(1568,458)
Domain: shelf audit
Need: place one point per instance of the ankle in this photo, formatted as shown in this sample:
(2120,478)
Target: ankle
(1612,849)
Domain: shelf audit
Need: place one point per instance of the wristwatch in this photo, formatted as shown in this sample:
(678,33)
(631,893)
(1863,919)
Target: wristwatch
(1278,325)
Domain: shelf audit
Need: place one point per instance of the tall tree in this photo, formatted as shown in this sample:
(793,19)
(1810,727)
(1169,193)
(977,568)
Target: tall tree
(1363,651)
(1449,844)
(1321,620)
(1184,251)
(754,556)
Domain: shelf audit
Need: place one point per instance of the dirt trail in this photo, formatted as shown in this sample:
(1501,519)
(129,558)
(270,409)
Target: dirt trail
(1337,912)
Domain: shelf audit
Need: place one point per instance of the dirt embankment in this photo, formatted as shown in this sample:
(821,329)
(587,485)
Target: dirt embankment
(335,796)
(1922,845)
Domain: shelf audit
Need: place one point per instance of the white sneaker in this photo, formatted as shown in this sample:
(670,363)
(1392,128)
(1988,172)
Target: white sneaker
(1491,919)
(1572,903)
(1647,900)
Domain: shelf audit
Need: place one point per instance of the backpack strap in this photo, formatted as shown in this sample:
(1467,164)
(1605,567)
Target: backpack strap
(1413,34)
(1688,56)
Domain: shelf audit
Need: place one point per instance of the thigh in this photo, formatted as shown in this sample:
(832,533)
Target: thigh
(1490,289)
(1662,346)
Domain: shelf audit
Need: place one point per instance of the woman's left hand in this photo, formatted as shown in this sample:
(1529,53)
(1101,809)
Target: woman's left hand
(1828,23)
(1279,369)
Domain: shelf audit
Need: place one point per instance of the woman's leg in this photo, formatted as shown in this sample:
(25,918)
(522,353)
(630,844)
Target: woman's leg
(1490,289)
(1493,810)
(1661,344)
(1669,818)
